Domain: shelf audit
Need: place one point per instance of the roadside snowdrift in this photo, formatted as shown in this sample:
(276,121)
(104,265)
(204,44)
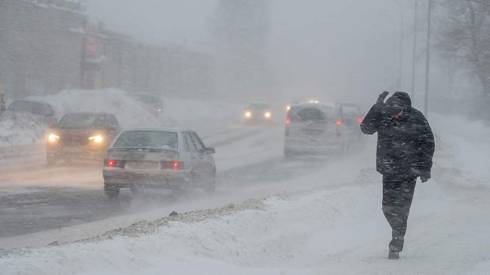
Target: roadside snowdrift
(338,231)
(18,129)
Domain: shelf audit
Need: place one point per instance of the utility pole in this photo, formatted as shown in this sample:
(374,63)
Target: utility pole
(427,61)
(414,50)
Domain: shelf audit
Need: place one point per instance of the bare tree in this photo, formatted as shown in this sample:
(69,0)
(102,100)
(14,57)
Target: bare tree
(465,37)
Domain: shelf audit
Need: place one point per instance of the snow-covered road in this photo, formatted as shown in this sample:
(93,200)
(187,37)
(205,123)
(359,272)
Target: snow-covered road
(335,226)
(40,198)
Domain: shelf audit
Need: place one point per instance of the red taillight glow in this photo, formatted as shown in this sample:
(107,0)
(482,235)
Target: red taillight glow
(339,122)
(288,119)
(112,163)
(360,120)
(172,165)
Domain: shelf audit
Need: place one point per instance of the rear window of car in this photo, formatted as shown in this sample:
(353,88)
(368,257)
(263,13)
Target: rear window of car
(309,114)
(78,121)
(147,139)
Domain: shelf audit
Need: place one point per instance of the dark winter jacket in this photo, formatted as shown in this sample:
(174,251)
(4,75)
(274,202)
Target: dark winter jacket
(405,144)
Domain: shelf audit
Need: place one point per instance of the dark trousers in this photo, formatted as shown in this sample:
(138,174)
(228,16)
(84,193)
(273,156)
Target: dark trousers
(398,193)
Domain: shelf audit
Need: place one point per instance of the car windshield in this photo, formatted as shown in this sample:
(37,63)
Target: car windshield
(147,139)
(35,108)
(77,121)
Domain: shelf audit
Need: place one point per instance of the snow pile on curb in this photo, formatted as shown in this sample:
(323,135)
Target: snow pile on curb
(256,237)
(463,151)
(340,231)
(20,129)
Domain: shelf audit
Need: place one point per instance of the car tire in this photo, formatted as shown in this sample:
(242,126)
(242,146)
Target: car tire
(137,190)
(111,191)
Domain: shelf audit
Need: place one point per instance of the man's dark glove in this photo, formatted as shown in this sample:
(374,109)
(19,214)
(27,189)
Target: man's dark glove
(425,176)
(382,97)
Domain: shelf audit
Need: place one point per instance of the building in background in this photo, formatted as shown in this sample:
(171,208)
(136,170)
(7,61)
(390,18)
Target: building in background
(241,31)
(50,45)
(40,45)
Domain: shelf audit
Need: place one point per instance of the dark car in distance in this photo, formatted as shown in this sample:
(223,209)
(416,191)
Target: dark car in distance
(42,112)
(257,113)
(81,136)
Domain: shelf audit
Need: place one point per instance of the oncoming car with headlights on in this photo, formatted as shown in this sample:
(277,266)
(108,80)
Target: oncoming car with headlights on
(81,137)
(257,114)
(171,159)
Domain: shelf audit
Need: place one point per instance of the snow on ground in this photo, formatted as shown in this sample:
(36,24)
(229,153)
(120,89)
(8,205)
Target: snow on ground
(465,149)
(20,129)
(330,231)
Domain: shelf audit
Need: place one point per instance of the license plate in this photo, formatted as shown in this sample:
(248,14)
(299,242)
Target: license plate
(142,165)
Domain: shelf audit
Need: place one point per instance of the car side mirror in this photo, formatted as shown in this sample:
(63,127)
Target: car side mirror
(209,151)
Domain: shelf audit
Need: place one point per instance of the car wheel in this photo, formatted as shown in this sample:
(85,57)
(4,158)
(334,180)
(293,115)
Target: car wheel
(111,191)
(137,190)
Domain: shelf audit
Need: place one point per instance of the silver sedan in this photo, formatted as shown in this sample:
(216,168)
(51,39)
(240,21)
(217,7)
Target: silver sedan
(174,159)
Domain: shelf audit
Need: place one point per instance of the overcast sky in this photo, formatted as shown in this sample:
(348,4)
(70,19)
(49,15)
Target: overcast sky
(341,45)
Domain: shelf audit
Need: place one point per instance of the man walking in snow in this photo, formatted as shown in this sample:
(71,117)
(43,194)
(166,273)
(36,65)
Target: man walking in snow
(404,153)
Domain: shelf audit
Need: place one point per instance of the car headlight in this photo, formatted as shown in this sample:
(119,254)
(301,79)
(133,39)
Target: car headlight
(267,115)
(53,138)
(96,139)
(248,114)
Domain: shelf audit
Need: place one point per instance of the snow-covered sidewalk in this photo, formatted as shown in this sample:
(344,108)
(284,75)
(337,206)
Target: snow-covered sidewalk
(332,231)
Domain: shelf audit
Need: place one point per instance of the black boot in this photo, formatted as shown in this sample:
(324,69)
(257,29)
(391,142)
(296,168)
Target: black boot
(395,247)
(393,254)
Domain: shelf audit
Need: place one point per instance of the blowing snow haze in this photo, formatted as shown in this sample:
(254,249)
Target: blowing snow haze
(331,49)
(288,137)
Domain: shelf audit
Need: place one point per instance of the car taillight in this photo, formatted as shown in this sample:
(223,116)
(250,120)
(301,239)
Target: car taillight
(339,122)
(288,119)
(360,120)
(112,163)
(172,165)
